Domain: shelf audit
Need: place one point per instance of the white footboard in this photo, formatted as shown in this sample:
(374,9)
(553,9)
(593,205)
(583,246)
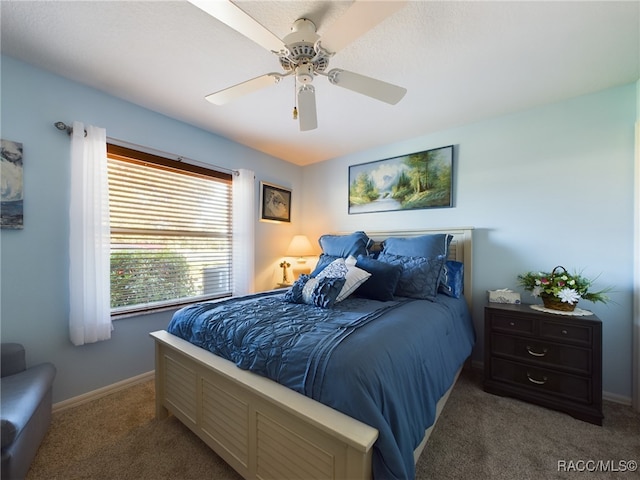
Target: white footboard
(260,428)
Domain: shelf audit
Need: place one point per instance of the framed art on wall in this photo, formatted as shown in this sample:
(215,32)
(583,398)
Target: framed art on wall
(275,203)
(414,181)
(11,170)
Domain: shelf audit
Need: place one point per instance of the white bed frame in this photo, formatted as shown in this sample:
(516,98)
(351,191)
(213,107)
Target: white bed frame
(261,428)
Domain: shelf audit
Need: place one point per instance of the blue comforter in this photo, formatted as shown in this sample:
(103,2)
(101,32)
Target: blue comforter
(402,356)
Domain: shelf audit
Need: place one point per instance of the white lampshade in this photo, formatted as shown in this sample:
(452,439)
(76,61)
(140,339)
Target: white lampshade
(300,246)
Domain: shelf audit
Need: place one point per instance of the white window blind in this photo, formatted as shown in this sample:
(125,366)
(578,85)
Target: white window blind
(171,237)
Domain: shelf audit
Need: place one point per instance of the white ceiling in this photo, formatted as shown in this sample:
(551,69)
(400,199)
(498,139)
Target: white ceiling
(460,61)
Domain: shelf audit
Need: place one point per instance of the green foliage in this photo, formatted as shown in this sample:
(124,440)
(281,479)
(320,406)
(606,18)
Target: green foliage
(402,189)
(426,183)
(145,276)
(430,198)
(363,190)
(563,285)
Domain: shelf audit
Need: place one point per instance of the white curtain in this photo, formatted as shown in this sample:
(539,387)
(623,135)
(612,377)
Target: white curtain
(243,231)
(89,242)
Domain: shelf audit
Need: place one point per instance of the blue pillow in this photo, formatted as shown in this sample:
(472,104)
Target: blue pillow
(383,280)
(430,246)
(320,292)
(420,276)
(452,279)
(354,244)
(323,262)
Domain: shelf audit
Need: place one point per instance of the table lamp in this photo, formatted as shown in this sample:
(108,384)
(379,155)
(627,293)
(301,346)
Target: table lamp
(300,247)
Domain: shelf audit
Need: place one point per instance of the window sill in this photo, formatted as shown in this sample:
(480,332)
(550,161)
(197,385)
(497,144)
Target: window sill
(164,308)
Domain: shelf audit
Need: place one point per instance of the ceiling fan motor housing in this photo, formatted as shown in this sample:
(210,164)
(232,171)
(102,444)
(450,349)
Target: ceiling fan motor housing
(302,55)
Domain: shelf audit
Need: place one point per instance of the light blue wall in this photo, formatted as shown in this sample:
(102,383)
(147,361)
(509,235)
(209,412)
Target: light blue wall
(545,187)
(34,261)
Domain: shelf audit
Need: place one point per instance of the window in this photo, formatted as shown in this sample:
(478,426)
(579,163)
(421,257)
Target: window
(171,237)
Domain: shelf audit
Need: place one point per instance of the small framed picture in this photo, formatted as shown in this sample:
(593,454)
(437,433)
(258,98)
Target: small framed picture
(275,203)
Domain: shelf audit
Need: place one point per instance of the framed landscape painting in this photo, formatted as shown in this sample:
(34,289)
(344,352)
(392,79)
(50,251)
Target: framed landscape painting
(11,215)
(414,181)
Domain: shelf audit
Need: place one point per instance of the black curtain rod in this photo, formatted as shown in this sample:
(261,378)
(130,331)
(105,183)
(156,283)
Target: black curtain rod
(64,127)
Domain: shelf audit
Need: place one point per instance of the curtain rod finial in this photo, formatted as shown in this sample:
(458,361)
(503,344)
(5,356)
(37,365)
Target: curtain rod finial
(62,126)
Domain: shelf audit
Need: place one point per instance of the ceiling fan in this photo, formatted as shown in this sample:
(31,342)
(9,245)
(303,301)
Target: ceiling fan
(304,54)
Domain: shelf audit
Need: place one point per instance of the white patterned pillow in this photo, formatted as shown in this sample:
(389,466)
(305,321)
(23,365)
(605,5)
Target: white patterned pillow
(341,268)
(336,269)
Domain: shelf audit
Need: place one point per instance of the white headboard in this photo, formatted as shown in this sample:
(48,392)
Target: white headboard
(461,248)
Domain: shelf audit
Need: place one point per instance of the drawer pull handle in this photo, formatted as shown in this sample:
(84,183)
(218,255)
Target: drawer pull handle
(512,324)
(537,382)
(564,332)
(536,354)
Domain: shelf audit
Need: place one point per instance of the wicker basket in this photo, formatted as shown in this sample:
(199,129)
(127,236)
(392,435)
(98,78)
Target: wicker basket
(555,303)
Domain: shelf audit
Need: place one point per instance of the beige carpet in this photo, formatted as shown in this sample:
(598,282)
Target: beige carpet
(478,436)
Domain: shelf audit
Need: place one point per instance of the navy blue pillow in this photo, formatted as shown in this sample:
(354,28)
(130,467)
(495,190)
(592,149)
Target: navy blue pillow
(320,292)
(431,245)
(354,244)
(420,275)
(383,280)
(452,279)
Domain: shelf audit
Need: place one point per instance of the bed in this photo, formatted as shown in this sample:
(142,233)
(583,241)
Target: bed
(309,428)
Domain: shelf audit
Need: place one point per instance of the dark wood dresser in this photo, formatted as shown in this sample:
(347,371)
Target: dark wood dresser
(551,360)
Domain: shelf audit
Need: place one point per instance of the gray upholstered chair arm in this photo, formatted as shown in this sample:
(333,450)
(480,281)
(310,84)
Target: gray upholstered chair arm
(12,359)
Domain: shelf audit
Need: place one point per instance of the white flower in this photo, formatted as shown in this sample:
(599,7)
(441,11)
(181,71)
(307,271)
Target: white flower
(568,295)
(538,282)
(537,290)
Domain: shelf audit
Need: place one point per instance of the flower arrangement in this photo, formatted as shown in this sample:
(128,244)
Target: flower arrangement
(561,290)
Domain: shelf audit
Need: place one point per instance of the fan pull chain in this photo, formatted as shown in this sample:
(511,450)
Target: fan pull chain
(295,101)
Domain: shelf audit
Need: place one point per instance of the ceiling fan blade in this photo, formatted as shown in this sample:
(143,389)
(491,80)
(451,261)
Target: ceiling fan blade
(361,17)
(234,17)
(229,94)
(383,91)
(307,108)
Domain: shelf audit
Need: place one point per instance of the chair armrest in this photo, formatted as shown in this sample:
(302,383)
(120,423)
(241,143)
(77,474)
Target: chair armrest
(12,359)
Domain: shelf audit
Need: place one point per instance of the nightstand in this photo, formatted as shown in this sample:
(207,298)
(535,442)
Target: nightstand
(551,360)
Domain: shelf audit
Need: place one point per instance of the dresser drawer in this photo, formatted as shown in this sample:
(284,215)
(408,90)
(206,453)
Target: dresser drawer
(542,380)
(549,359)
(567,332)
(565,357)
(512,324)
